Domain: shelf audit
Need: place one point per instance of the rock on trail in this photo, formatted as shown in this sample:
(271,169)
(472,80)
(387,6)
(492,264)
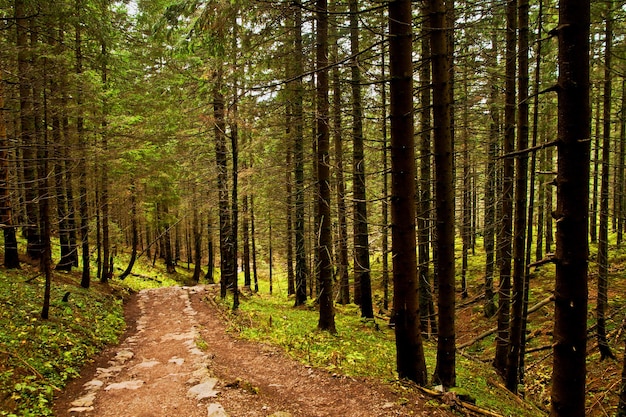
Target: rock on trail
(158,371)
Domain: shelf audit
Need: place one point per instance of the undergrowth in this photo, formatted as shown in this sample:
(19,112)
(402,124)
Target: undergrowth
(40,356)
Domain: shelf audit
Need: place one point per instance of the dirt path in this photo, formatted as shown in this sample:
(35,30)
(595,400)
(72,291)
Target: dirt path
(178,360)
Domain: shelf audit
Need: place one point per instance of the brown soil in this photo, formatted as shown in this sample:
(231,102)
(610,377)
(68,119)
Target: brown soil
(177,341)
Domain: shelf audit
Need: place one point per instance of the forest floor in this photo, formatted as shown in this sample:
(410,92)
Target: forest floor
(179,359)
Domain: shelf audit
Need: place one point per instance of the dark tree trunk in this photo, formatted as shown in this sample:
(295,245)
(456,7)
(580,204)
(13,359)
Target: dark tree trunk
(521,203)
(82,161)
(445,373)
(298,121)
(11,257)
(28,131)
(505,236)
(325,243)
(225,226)
(361,239)
(409,350)
(209,277)
(593,215)
(197,243)
(234,147)
(466,201)
(571,291)
(291,283)
(531,200)
(245,226)
(619,187)
(342,227)
(385,205)
(43,185)
(428,322)
(603,232)
(170,262)
(66,262)
(134,231)
(107,271)
(253,236)
(490,189)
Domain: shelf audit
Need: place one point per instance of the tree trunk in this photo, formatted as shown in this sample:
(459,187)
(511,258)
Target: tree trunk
(82,161)
(531,199)
(603,232)
(291,283)
(325,243)
(571,292)
(28,131)
(445,373)
(197,241)
(225,234)
(593,216)
(521,204)
(210,277)
(134,231)
(298,121)
(11,257)
(253,236)
(245,226)
(619,188)
(505,236)
(490,188)
(361,239)
(409,350)
(385,205)
(342,226)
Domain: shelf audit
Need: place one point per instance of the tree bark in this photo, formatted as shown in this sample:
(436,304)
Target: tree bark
(409,349)
(362,276)
(11,257)
(445,373)
(298,121)
(505,237)
(82,161)
(521,205)
(342,226)
(603,232)
(571,292)
(325,244)
(428,320)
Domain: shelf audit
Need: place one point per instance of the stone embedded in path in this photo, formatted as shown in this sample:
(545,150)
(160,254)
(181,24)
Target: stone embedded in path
(85,401)
(122,356)
(132,384)
(177,361)
(203,390)
(216,410)
(147,364)
(80,409)
(108,372)
(94,384)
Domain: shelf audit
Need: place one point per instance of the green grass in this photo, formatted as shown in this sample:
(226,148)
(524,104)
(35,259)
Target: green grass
(40,356)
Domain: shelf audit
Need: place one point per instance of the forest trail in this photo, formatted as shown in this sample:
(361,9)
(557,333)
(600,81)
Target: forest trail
(178,359)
